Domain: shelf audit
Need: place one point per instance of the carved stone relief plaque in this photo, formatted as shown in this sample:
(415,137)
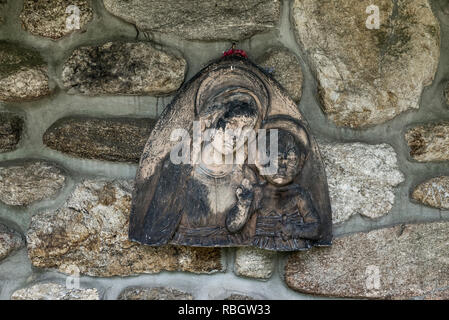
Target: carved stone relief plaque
(231,162)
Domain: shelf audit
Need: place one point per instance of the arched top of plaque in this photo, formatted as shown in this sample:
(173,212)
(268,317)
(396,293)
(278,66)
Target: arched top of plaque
(200,203)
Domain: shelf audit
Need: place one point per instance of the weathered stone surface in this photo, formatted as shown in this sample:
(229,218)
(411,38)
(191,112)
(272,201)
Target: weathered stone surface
(115,139)
(54,291)
(361,179)
(117,68)
(154,294)
(429,142)
(239,297)
(11,127)
(21,185)
(91,232)
(439,294)
(368,76)
(285,68)
(23,73)
(49,18)
(434,193)
(254,263)
(216,20)
(399,262)
(9,241)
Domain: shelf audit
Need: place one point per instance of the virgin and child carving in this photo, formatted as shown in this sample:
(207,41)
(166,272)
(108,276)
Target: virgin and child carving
(231,162)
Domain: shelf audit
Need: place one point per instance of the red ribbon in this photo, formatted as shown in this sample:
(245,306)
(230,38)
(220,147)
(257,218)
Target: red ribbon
(237,52)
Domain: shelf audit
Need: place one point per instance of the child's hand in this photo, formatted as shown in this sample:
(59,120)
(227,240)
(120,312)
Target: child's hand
(245,192)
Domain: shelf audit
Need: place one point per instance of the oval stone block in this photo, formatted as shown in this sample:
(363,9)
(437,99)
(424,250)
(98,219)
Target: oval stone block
(394,263)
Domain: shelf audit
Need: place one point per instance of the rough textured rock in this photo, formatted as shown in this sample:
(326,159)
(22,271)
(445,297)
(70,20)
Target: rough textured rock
(21,185)
(368,76)
(9,241)
(434,192)
(254,263)
(23,73)
(429,142)
(216,20)
(90,232)
(361,179)
(54,291)
(116,139)
(154,294)
(285,68)
(117,68)
(49,18)
(11,127)
(399,262)
(239,297)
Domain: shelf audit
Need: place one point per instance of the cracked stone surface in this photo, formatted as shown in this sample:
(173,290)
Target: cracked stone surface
(23,74)
(285,67)
(401,262)
(429,142)
(361,179)
(217,20)
(113,139)
(54,291)
(24,184)
(9,241)
(11,128)
(48,18)
(117,68)
(90,232)
(254,263)
(434,193)
(368,76)
(154,294)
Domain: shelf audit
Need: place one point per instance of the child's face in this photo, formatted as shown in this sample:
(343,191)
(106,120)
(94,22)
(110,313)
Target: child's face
(289,160)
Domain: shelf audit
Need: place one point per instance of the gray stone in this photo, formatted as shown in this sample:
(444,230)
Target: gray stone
(9,241)
(117,68)
(361,179)
(24,184)
(254,263)
(368,76)
(199,19)
(434,193)
(23,74)
(285,68)
(394,263)
(54,291)
(49,18)
(114,139)
(11,127)
(90,232)
(429,142)
(154,294)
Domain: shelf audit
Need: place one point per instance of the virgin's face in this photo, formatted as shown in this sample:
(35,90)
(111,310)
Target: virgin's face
(232,127)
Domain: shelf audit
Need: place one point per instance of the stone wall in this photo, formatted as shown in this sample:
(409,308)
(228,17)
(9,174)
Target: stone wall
(76,108)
